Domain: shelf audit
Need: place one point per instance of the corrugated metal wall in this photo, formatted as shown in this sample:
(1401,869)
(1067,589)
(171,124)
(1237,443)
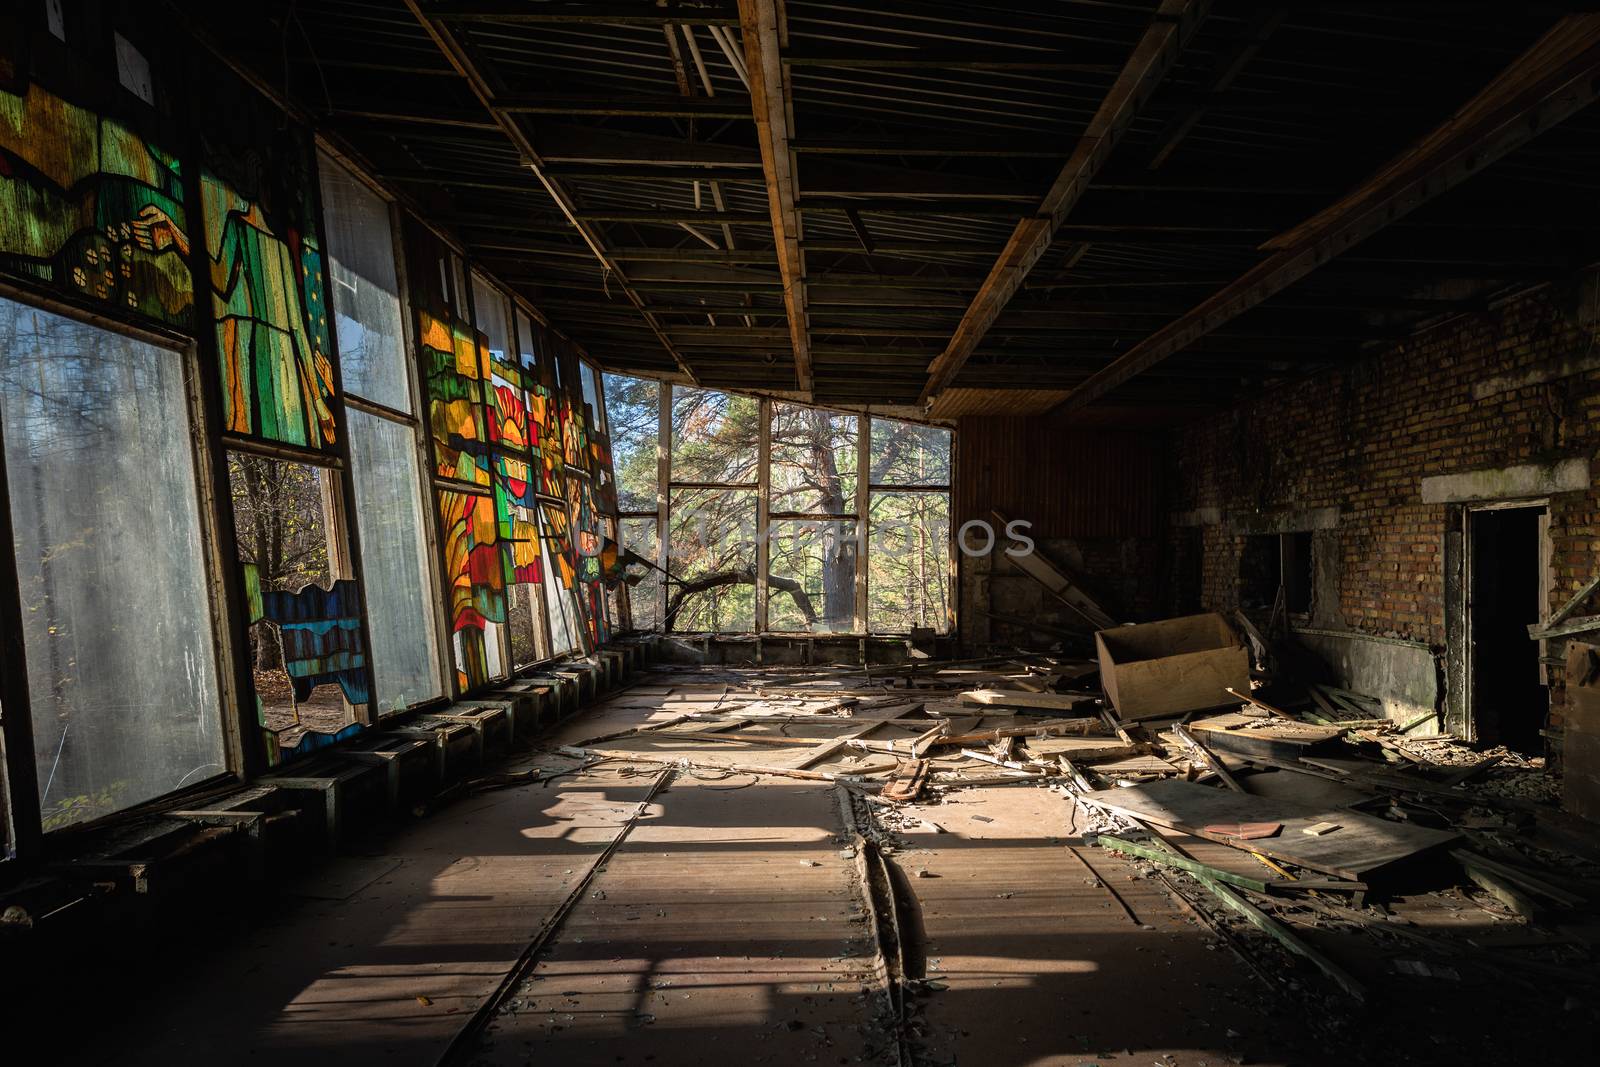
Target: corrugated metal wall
(1067,482)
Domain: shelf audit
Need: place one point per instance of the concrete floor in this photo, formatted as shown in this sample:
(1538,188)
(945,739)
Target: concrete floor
(728,925)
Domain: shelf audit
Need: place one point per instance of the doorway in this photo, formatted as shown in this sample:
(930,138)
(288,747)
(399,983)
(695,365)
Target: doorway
(1505,593)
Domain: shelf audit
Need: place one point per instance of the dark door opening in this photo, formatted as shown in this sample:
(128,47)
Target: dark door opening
(1509,701)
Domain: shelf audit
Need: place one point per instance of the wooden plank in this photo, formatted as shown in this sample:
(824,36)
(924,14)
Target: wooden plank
(840,744)
(1015,698)
(1281,934)
(1572,605)
(765,32)
(1182,863)
(1084,749)
(1363,845)
(1241,734)
(1205,757)
(1581,625)
(1136,765)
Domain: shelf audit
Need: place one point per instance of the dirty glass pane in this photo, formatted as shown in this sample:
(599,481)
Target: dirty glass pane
(366,303)
(591,396)
(715,436)
(711,549)
(908,453)
(633,406)
(389,519)
(908,559)
(813,460)
(110,563)
(493,318)
(639,535)
(811,575)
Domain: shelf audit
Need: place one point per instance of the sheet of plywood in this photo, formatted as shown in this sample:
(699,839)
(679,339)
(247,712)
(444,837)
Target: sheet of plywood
(1362,846)
(1012,698)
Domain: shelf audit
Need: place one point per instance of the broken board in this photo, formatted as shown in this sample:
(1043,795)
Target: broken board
(1252,735)
(1362,846)
(1012,698)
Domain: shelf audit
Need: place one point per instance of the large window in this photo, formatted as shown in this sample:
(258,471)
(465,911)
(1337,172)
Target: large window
(117,623)
(780,517)
(908,541)
(383,431)
(712,508)
(512,478)
(813,539)
(633,411)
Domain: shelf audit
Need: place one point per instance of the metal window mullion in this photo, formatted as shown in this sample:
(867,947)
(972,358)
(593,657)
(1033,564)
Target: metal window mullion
(663,494)
(763,493)
(863,504)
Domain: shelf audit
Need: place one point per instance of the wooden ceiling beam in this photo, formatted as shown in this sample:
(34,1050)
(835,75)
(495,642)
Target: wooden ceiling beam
(1550,82)
(951,203)
(627,173)
(626,13)
(694,254)
(674,218)
(772,104)
(1155,54)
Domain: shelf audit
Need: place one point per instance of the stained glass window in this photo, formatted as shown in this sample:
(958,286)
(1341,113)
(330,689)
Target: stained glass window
(92,209)
(368,320)
(475,569)
(265,261)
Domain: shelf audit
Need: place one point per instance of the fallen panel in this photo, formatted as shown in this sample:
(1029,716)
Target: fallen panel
(1362,846)
(1254,736)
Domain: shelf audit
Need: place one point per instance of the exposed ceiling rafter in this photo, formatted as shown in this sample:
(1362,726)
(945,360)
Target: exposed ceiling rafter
(773,106)
(1552,81)
(458,56)
(1155,54)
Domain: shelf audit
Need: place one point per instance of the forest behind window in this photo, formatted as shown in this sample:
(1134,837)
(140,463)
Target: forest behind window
(801,525)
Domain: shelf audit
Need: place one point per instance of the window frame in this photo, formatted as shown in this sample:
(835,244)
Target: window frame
(871,489)
(416,427)
(25,838)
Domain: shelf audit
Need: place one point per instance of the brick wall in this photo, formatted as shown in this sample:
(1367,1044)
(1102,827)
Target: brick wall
(1463,396)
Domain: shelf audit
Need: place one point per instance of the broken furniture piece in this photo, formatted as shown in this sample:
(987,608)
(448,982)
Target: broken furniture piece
(1169,667)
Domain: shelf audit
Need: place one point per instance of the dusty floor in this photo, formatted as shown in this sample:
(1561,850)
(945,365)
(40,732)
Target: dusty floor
(728,923)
